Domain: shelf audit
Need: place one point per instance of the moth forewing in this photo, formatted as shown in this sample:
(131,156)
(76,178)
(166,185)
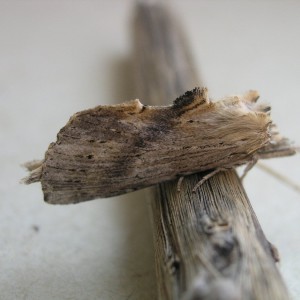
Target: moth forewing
(111,150)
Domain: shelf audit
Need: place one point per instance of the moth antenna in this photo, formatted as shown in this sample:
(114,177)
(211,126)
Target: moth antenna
(279,176)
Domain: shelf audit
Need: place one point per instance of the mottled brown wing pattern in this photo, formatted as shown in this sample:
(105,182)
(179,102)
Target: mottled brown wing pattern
(112,150)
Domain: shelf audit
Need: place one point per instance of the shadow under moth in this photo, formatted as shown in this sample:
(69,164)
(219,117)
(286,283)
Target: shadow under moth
(112,150)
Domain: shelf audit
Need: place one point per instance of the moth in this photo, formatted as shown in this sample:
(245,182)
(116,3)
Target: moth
(112,150)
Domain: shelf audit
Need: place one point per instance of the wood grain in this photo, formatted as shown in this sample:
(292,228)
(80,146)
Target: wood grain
(208,245)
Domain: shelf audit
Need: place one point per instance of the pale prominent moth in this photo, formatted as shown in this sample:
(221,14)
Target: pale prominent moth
(111,150)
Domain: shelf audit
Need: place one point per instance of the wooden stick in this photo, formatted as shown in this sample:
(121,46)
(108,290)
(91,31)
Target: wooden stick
(208,244)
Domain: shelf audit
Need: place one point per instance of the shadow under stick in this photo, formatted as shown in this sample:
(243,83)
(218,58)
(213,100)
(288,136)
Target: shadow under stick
(208,244)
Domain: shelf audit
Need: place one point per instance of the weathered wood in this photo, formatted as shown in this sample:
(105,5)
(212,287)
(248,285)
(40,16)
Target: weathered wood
(208,245)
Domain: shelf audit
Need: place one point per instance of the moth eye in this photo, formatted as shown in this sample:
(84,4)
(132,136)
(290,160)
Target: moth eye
(190,121)
(90,156)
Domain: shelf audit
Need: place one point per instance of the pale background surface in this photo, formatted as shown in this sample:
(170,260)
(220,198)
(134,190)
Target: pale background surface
(59,57)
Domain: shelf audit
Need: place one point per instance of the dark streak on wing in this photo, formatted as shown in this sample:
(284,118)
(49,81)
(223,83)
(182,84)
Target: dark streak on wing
(159,124)
(157,127)
(119,135)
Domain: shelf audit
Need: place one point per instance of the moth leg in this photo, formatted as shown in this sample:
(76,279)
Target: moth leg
(179,183)
(249,166)
(206,177)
